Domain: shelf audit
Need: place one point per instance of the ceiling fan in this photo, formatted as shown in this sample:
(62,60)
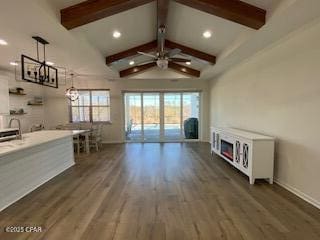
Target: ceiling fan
(162,57)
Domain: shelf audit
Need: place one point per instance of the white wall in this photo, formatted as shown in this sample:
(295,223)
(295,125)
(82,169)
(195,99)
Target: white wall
(56,111)
(277,92)
(35,114)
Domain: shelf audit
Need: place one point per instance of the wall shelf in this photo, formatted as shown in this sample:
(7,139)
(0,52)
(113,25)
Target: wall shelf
(35,104)
(17,114)
(16,93)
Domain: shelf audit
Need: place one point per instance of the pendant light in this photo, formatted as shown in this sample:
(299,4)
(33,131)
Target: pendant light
(72,93)
(39,71)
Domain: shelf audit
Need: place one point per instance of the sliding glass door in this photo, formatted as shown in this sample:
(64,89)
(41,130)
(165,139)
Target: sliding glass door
(133,116)
(151,117)
(172,116)
(161,116)
(190,114)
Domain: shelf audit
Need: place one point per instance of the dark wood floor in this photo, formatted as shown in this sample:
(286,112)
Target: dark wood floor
(159,191)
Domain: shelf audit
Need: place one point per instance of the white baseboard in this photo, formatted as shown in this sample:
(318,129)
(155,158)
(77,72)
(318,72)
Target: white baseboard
(298,193)
(117,142)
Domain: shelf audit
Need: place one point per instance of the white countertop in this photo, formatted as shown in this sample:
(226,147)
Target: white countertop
(245,134)
(34,139)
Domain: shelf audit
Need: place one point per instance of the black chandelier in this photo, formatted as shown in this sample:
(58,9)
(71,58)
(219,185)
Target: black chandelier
(36,71)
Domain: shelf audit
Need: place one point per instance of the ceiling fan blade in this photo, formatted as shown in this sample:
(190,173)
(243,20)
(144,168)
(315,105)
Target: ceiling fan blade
(179,60)
(148,54)
(146,62)
(173,52)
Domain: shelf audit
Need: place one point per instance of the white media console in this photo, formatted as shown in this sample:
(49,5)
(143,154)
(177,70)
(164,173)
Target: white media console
(251,153)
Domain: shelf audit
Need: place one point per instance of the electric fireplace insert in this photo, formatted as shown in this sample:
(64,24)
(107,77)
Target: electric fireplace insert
(227,149)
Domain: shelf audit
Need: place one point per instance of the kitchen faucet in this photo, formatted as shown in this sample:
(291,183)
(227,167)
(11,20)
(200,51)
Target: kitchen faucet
(19,125)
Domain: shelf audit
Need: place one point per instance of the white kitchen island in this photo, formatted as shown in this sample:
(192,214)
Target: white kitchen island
(28,163)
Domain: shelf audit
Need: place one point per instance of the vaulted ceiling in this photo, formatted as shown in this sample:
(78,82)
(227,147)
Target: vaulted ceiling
(85,49)
(185,23)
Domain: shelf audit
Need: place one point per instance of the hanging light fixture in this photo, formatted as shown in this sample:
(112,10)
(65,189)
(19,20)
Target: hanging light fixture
(39,71)
(72,93)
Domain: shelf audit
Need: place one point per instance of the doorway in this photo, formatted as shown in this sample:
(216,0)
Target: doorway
(162,116)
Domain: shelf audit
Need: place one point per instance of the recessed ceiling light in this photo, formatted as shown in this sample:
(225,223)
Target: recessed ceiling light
(131,62)
(50,63)
(116,34)
(188,63)
(14,63)
(207,34)
(3,42)
(183,69)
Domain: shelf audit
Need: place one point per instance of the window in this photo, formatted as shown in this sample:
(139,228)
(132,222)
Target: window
(92,106)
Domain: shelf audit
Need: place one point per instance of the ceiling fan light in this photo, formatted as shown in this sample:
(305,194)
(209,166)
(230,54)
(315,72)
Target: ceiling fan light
(162,64)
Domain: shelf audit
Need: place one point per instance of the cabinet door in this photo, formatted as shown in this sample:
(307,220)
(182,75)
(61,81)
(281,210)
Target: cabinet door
(237,153)
(218,142)
(245,156)
(213,143)
(4,95)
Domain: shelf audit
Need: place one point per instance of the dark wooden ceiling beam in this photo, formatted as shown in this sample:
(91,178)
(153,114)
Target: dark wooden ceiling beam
(233,10)
(147,47)
(184,70)
(192,52)
(137,69)
(176,67)
(92,10)
(151,46)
